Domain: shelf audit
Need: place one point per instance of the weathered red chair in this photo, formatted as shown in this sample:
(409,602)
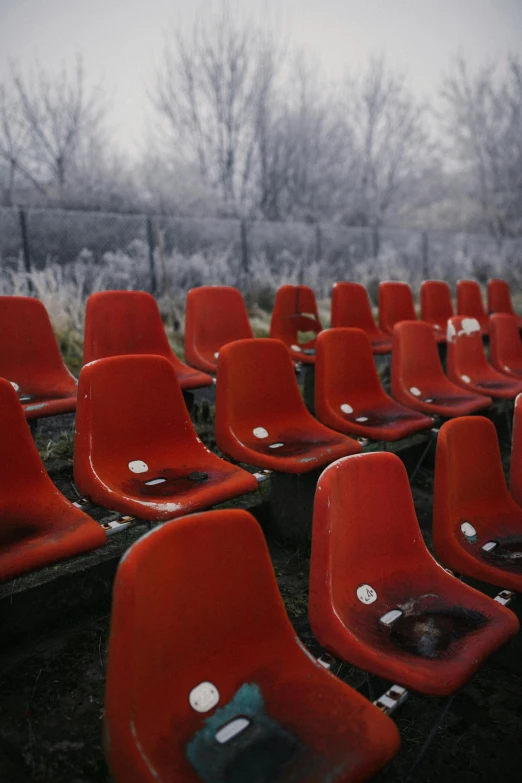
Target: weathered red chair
(38,525)
(261,418)
(136,450)
(348,393)
(505,344)
(295,311)
(395,304)
(477,526)
(436,306)
(378,599)
(467,364)
(417,377)
(120,323)
(499,299)
(214,316)
(515,473)
(470,304)
(30,358)
(351,307)
(206,678)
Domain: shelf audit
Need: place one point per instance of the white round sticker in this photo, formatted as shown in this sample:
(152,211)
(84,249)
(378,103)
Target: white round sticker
(362,418)
(468,530)
(466,378)
(366,594)
(416,392)
(260,432)
(15,386)
(346,408)
(138,466)
(203,697)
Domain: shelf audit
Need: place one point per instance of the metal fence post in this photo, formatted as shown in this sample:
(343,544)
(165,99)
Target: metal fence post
(25,249)
(245,254)
(425,255)
(150,240)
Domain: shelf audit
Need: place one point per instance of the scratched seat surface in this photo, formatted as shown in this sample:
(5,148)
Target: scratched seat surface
(295,321)
(120,323)
(214,316)
(515,472)
(499,299)
(418,380)
(214,686)
(436,305)
(477,526)
(136,450)
(351,308)
(38,525)
(348,393)
(378,599)
(30,358)
(261,418)
(467,364)
(470,304)
(505,344)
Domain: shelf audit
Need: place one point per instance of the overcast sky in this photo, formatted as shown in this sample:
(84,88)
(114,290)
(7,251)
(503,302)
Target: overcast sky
(121,40)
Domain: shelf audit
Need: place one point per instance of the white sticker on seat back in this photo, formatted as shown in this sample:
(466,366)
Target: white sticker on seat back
(203,697)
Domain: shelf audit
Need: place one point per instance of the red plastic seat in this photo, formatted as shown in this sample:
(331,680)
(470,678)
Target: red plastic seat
(351,307)
(417,377)
(261,418)
(206,678)
(31,360)
(499,299)
(515,474)
(467,364)
(470,304)
(378,599)
(396,304)
(295,310)
(348,393)
(214,316)
(505,344)
(38,525)
(120,323)
(136,450)
(477,526)
(436,306)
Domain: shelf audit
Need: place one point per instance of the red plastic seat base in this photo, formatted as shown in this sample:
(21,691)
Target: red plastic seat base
(389,422)
(38,407)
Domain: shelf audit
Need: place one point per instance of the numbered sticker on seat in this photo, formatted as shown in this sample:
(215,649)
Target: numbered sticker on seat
(366,594)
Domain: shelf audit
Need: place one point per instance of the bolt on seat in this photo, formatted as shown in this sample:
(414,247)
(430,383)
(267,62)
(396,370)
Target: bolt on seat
(30,359)
(499,299)
(38,525)
(378,599)
(214,316)
(206,678)
(295,311)
(417,377)
(348,393)
(477,526)
(515,474)
(351,308)
(505,344)
(467,364)
(261,418)
(436,306)
(120,323)
(136,450)
(470,304)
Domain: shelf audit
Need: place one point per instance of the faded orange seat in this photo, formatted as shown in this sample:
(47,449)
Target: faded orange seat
(467,364)
(351,308)
(436,306)
(499,299)
(417,377)
(206,678)
(120,323)
(295,311)
(470,304)
(348,393)
(505,344)
(261,418)
(378,599)
(214,316)
(38,525)
(30,358)
(477,526)
(136,450)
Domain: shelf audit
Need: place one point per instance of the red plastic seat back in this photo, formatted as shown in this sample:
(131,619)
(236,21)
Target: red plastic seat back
(466,355)
(505,344)
(415,357)
(515,473)
(214,316)
(187,597)
(469,301)
(499,297)
(351,307)
(123,322)
(29,353)
(436,306)
(395,304)
(295,310)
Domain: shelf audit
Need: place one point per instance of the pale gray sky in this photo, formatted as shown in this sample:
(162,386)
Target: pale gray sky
(121,40)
